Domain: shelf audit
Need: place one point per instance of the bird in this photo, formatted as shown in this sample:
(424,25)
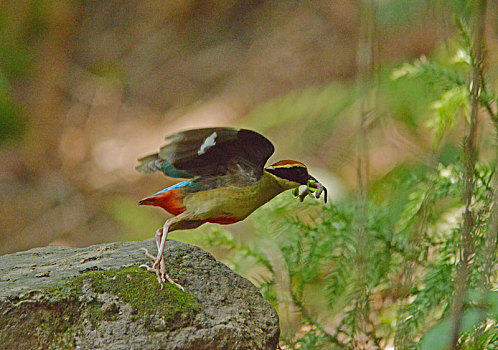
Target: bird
(226,180)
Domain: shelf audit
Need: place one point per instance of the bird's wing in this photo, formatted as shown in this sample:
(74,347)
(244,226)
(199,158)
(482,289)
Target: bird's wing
(210,152)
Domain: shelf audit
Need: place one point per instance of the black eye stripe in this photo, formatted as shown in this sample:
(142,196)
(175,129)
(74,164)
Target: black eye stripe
(295,174)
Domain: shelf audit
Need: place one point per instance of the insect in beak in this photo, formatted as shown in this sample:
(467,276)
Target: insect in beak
(313,186)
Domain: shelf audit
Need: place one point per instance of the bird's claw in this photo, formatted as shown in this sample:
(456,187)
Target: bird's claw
(147,254)
(159,268)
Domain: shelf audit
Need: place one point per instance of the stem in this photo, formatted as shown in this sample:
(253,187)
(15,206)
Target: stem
(492,114)
(470,154)
(366,69)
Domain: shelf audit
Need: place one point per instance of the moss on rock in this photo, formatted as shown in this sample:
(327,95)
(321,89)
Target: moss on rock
(56,315)
(140,289)
(89,298)
(32,325)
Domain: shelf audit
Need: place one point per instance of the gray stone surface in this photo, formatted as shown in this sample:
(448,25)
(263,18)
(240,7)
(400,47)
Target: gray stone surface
(52,297)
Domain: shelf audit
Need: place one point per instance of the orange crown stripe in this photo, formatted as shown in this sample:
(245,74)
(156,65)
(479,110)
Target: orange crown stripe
(288,164)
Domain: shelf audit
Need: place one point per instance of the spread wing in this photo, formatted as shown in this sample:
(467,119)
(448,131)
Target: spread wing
(210,152)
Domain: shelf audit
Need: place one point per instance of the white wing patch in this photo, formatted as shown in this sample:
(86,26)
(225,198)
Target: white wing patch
(209,142)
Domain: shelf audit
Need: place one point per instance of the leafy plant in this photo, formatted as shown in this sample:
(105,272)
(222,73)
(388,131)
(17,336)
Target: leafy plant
(412,262)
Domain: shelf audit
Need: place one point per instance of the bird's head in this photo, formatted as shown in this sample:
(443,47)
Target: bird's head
(292,174)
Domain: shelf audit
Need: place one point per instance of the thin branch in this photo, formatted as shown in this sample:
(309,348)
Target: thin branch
(492,114)
(491,237)
(366,68)
(470,153)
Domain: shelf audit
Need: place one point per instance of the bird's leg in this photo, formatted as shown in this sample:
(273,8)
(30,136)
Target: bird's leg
(160,279)
(159,266)
(161,237)
(162,264)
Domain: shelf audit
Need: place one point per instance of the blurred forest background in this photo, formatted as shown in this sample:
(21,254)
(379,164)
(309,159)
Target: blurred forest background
(366,93)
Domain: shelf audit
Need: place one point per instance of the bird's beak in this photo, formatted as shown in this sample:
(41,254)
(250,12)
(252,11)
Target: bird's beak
(319,189)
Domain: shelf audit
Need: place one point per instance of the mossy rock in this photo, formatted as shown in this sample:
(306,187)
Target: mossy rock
(52,317)
(97,297)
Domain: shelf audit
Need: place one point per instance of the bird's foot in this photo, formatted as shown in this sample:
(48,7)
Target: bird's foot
(159,268)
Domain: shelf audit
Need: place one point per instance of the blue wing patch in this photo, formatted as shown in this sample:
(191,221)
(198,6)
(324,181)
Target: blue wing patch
(175,186)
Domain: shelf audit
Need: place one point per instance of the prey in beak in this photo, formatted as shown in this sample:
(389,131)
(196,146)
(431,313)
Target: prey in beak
(313,186)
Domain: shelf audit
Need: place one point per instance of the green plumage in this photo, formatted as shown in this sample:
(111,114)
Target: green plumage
(236,199)
(228,183)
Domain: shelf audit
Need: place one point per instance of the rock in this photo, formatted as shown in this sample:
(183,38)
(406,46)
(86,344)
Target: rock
(97,298)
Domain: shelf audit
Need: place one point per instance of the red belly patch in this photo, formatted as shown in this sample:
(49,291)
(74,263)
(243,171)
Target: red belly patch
(222,220)
(171,201)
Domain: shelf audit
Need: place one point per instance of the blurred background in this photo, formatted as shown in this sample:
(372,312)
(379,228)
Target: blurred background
(87,87)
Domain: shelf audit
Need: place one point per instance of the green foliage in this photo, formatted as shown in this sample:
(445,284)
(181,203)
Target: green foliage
(452,103)
(321,252)
(385,266)
(439,335)
(433,73)
(454,99)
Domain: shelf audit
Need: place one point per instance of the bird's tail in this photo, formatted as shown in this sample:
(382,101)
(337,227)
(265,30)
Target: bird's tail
(150,164)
